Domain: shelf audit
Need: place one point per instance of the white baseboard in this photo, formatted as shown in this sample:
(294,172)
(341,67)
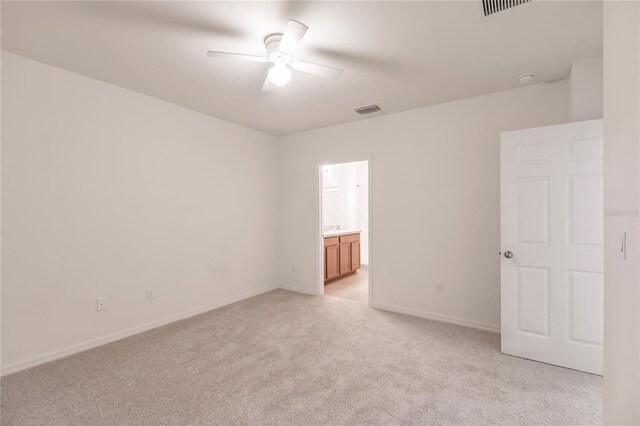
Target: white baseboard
(298,289)
(438,317)
(103,340)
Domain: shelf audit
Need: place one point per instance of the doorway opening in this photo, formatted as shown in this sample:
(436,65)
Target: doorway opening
(344,228)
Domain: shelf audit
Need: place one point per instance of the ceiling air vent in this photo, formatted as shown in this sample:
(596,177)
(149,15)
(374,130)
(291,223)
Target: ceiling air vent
(367,109)
(490,7)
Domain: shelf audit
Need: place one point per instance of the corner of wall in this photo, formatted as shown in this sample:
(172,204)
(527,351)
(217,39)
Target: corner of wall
(586,89)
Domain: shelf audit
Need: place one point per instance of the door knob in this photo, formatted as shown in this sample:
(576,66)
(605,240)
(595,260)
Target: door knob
(508,254)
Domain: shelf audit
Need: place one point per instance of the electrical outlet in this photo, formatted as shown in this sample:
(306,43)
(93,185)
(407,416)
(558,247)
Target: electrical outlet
(100,304)
(149,293)
(439,288)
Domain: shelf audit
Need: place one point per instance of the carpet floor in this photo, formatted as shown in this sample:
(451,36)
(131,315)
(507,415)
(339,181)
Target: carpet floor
(288,358)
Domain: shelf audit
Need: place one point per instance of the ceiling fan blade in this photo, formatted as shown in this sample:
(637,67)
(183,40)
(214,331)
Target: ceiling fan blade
(317,69)
(292,36)
(268,85)
(227,55)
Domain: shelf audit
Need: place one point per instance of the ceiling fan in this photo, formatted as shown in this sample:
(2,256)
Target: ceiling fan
(280,48)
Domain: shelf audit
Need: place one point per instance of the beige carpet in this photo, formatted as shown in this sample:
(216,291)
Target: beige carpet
(286,358)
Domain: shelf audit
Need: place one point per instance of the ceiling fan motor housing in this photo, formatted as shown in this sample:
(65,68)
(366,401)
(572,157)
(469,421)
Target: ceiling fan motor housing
(272,44)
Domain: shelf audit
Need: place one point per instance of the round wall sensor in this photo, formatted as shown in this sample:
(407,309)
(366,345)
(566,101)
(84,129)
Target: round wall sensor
(525,78)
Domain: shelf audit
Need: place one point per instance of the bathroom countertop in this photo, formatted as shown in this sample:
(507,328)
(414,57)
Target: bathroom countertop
(339,232)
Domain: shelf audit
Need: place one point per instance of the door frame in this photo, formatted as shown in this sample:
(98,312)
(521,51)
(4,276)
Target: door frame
(318,225)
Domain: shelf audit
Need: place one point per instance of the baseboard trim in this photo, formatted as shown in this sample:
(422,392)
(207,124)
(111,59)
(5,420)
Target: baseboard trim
(298,289)
(103,340)
(438,317)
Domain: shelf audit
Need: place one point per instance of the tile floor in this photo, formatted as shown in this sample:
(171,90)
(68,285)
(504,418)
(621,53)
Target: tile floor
(353,287)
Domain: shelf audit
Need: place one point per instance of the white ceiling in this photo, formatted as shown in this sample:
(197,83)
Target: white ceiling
(400,55)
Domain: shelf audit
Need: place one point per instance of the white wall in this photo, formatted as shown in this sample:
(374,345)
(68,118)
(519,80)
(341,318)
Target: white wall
(361,219)
(585,82)
(435,199)
(336,198)
(622,204)
(106,192)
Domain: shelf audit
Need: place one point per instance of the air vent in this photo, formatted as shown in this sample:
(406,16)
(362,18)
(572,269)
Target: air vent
(494,6)
(367,109)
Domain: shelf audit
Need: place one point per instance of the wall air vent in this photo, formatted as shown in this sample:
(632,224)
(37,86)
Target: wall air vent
(489,7)
(367,109)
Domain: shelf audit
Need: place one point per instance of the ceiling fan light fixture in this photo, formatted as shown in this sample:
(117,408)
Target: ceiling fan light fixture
(280,74)
(280,48)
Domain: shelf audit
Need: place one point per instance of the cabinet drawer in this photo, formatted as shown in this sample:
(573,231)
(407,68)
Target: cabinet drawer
(349,238)
(331,241)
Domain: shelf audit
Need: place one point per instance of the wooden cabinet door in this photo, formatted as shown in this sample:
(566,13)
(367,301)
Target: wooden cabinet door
(355,255)
(331,262)
(345,258)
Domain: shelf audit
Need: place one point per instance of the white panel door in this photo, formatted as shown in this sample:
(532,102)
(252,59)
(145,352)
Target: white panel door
(551,232)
